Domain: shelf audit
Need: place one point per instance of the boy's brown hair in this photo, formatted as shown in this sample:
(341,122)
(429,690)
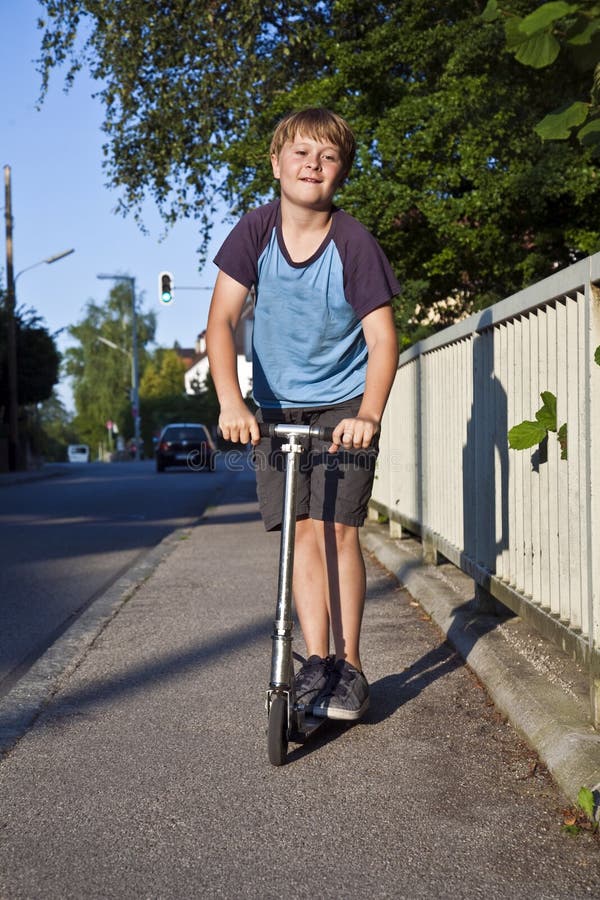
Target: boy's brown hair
(321,125)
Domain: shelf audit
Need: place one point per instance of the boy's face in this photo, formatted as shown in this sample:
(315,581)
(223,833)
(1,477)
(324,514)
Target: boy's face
(309,171)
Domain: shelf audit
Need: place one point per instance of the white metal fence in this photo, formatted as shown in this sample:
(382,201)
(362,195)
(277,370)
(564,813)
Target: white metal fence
(524,524)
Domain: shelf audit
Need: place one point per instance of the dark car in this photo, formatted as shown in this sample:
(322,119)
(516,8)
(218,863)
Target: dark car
(184,444)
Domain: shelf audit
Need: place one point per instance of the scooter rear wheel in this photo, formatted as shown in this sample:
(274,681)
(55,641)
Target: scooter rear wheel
(277,738)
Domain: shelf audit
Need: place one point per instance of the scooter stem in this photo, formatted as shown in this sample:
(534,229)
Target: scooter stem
(281,658)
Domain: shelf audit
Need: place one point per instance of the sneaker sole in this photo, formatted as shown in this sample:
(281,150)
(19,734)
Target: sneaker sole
(342,715)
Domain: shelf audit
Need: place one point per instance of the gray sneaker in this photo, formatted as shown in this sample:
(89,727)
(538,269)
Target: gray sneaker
(311,679)
(346,695)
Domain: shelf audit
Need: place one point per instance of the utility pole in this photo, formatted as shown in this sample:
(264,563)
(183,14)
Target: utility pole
(136,375)
(13,397)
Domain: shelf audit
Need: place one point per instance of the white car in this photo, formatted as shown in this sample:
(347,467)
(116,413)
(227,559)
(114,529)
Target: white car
(78,453)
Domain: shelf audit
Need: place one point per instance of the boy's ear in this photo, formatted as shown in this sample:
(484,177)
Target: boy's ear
(275,165)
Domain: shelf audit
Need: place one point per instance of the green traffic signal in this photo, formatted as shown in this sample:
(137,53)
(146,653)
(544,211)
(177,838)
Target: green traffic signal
(165,288)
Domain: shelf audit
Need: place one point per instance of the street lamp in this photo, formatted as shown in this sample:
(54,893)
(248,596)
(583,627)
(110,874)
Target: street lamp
(48,261)
(11,280)
(135,372)
(114,346)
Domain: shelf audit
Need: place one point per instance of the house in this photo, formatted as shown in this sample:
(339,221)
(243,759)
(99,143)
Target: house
(195,375)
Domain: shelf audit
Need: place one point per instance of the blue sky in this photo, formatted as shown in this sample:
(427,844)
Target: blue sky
(59,201)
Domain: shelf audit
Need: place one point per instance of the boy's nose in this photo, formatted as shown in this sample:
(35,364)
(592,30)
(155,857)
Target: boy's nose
(314,163)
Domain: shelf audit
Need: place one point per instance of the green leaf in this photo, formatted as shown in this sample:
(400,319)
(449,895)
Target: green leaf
(585,799)
(547,414)
(590,133)
(545,15)
(562,440)
(573,830)
(586,56)
(597,356)
(583,32)
(491,12)
(514,35)
(538,51)
(526,434)
(557,125)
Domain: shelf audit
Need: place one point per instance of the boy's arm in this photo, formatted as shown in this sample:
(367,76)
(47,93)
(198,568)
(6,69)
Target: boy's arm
(382,343)
(235,420)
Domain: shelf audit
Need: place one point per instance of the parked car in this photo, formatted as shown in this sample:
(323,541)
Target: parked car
(78,453)
(185,444)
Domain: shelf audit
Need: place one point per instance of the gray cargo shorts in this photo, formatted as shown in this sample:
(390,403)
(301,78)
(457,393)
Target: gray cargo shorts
(331,487)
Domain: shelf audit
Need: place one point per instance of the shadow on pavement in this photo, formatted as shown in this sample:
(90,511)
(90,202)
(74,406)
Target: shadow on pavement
(390,693)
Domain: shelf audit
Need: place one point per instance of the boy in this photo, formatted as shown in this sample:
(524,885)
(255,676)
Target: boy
(325,352)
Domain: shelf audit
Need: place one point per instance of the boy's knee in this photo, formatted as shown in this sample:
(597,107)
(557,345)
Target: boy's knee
(344,535)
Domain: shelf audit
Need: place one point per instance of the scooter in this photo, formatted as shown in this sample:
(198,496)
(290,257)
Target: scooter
(287,719)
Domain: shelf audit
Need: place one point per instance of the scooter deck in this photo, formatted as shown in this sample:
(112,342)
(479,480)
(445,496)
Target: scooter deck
(307,726)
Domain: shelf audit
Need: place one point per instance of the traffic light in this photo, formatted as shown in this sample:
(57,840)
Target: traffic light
(166,292)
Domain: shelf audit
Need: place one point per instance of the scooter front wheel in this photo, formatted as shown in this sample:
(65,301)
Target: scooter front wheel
(277,739)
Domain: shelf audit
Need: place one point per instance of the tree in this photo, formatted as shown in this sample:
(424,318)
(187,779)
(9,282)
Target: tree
(538,38)
(163,398)
(54,430)
(38,359)
(163,375)
(102,376)
(468,202)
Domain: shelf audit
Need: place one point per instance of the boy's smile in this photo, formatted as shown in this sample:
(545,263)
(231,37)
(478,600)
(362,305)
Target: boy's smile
(309,171)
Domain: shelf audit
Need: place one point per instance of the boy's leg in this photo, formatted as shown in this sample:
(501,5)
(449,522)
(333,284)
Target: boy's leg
(343,563)
(329,587)
(310,589)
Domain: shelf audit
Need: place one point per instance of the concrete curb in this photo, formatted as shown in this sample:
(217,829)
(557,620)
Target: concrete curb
(21,706)
(551,722)
(8,479)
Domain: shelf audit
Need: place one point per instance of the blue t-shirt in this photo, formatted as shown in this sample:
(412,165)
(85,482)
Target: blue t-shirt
(308,344)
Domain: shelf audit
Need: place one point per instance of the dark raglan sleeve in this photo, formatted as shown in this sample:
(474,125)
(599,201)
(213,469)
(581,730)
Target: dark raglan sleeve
(369,280)
(238,255)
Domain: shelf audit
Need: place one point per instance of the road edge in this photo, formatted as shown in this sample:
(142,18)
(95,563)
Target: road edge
(24,702)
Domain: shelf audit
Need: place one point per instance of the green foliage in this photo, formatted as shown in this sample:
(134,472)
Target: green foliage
(526,434)
(450,176)
(54,430)
(38,359)
(529,433)
(583,817)
(101,375)
(557,125)
(163,398)
(163,375)
(537,39)
(585,799)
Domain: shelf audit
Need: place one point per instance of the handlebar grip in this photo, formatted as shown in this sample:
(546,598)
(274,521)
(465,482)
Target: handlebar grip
(266,429)
(325,433)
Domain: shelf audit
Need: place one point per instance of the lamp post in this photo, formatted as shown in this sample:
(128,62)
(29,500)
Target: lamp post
(135,373)
(114,346)
(11,280)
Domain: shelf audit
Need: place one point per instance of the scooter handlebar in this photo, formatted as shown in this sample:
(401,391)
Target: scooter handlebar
(271,429)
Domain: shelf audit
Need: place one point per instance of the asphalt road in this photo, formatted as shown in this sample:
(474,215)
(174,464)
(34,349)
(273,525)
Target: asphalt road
(64,540)
(146,773)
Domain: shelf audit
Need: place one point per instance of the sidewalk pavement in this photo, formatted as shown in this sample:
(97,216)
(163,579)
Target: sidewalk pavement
(135,759)
(47,470)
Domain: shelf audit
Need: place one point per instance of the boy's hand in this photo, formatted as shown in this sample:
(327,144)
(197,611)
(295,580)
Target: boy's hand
(353,434)
(237,424)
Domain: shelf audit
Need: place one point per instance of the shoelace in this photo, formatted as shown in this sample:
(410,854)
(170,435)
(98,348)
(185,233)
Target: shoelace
(340,681)
(307,675)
